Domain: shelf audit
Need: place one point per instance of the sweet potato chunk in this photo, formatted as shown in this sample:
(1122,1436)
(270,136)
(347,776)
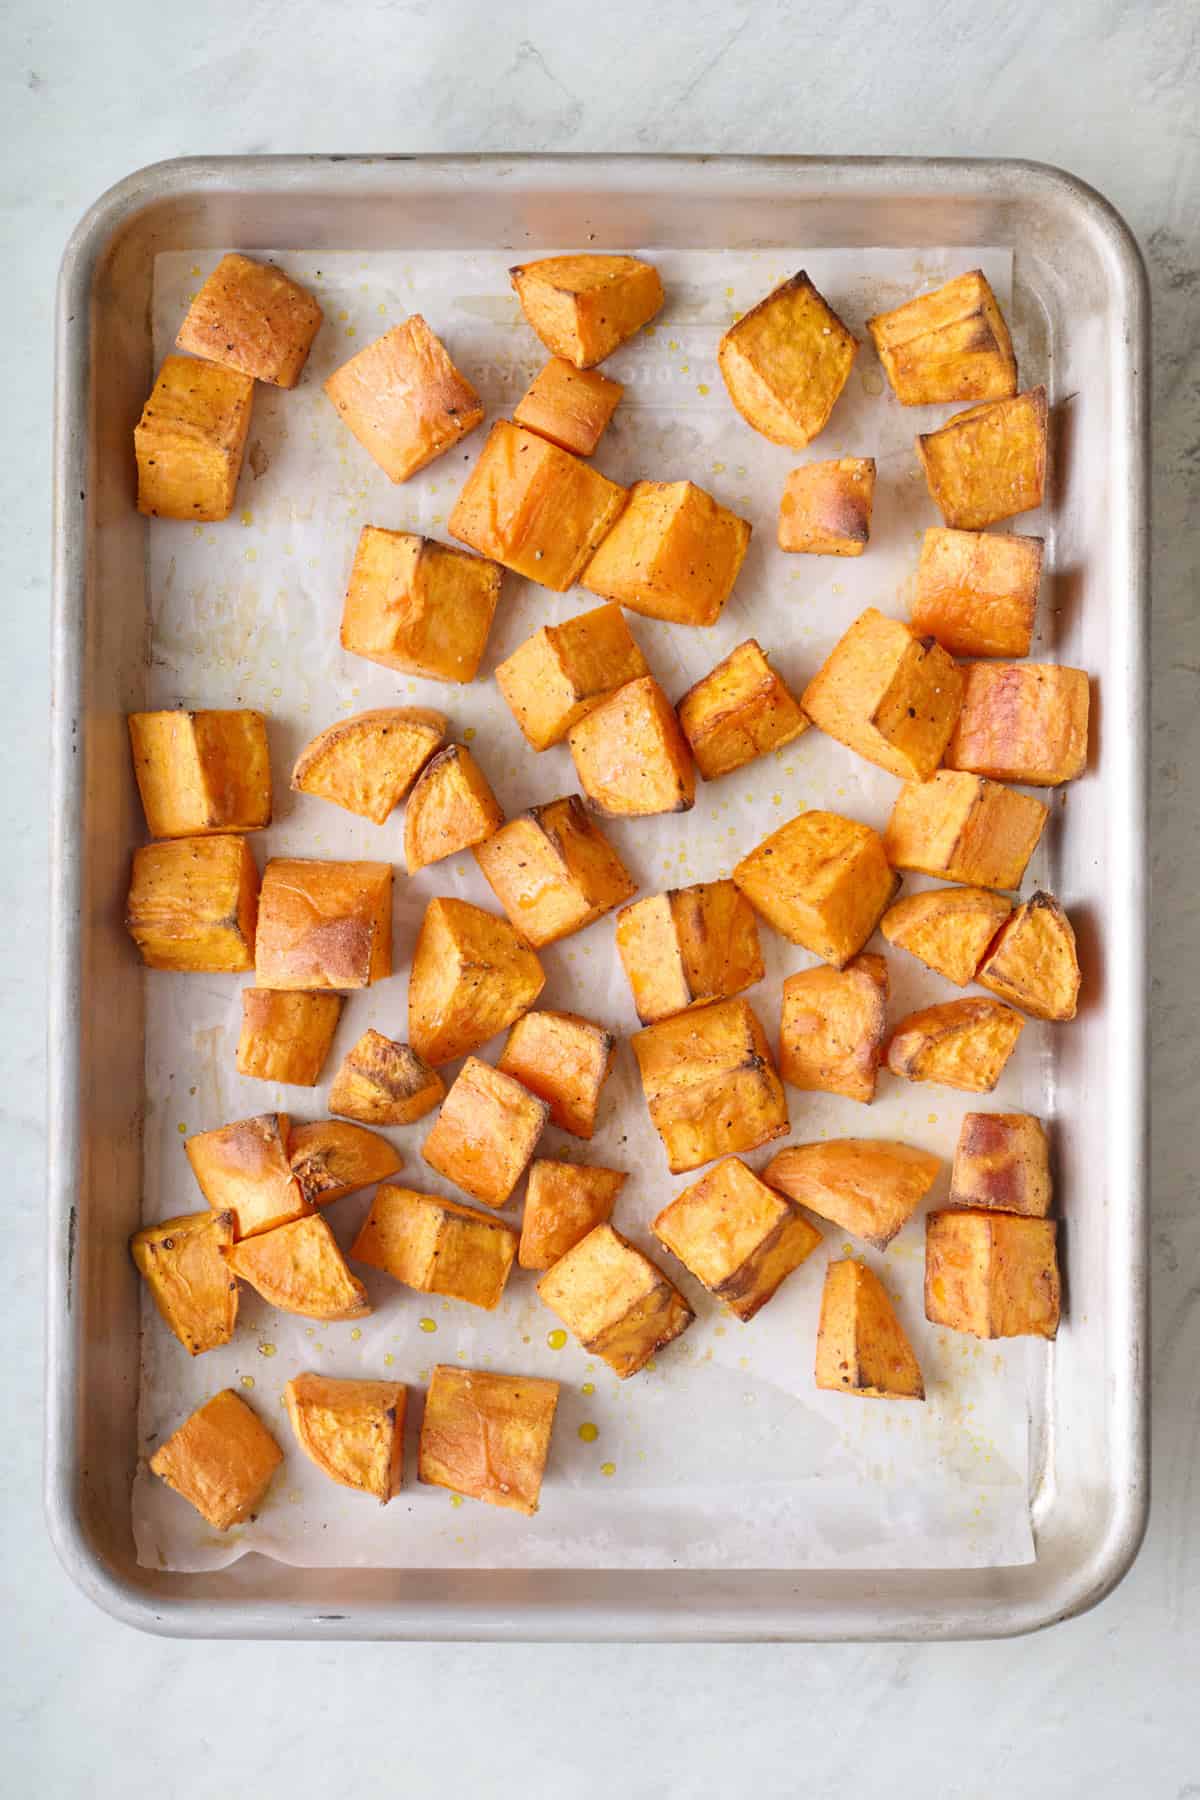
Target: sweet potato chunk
(243,1170)
(964,828)
(553,872)
(418,606)
(563,1202)
(384,1083)
(451,807)
(368,763)
(300,1269)
(710,1084)
(200,772)
(1002,1163)
(193,905)
(352,1430)
(630,755)
(989,462)
(535,508)
(437,1246)
(330,1158)
(571,407)
(992,1274)
(739,710)
(1022,722)
(826,507)
(1033,963)
(948,929)
(486,1132)
(190,440)
(739,1237)
(251,316)
(565,1061)
(487,1436)
(977,591)
(688,946)
(583,306)
(563,671)
(404,400)
(183,1267)
(961,1044)
(861,1346)
(472,976)
(869,1187)
(673,553)
(833,1028)
(822,881)
(889,695)
(786,361)
(286,1036)
(617,1302)
(221,1460)
(948,346)
(324,924)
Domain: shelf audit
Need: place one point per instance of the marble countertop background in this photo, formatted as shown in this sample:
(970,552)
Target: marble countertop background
(1104,1705)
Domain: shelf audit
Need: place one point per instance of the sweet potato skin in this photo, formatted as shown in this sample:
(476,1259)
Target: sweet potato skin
(486,1132)
(565,1060)
(1002,1163)
(286,1035)
(324,924)
(948,929)
(674,553)
(193,905)
(834,1026)
(826,507)
(822,881)
(451,808)
(583,306)
(988,463)
(1033,962)
(182,1264)
(368,763)
(947,346)
(861,1346)
(202,772)
(352,1430)
(631,758)
(870,1187)
(381,1082)
(487,1435)
(472,976)
(221,1460)
(252,317)
(786,361)
(557,676)
(618,1303)
(964,828)
(404,400)
(739,1237)
(976,592)
(572,407)
(887,694)
(190,440)
(710,1085)
(418,606)
(1024,722)
(688,946)
(992,1274)
(739,710)
(564,1201)
(960,1044)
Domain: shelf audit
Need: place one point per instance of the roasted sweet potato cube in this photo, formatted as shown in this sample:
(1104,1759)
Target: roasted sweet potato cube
(563,1202)
(583,306)
(243,1170)
(964,828)
(861,1345)
(535,508)
(869,1187)
(451,807)
(193,905)
(404,400)
(190,440)
(834,1026)
(286,1036)
(188,1280)
(948,346)
(384,1083)
(890,695)
(221,1460)
(486,1132)
(822,881)
(617,1302)
(251,316)
(487,1436)
(352,1430)
(563,671)
(200,772)
(989,462)
(786,361)
(826,507)
(1033,962)
(300,1269)
(553,872)
(992,1274)
(571,407)
(739,1237)
(976,591)
(739,710)
(324,924)
(472,976)
(631,758)
(674,554)
(1002,1163)
(961,1044)
(710,1084)
(565,1061)
(330,1158)
(418,606)
(368,763)
(1022,722)
(948,929)
(688,946)
(437,1246)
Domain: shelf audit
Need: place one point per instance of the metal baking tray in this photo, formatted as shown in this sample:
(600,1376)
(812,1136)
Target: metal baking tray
(1078,269)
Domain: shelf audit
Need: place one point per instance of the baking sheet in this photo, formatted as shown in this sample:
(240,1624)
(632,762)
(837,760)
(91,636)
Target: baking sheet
(723,1454)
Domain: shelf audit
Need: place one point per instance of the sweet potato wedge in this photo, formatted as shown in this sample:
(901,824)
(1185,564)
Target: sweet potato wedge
(822,881)
(961,1044)
(785,362)
(889,695)
(948,346)
(221,1460)
(553,871)
(472,976)
(182,1265)
(834,1026)
(673,553)
(559,674)
(486,1132)
(861,1345)
(994,1275)
(352,1430)
(201,772)
(948,929)
(565,1061)
(193,905)
(368,763)
(1033,962)
(739,710)
(563,1202)
(710,1085)
(988,463)
(330,1158)
(570,406)
(451,807)
(487,1436)
(826,507)
(437,1246)
(738,1236)
(583,306)
(243,1170)
(977,591)
(688,946)
(384,1083)
(285,1036)
(1002,1163)
(252,317)
(965,829)
(869,1187)
(619,1304)
(1022,722)
(404,400)
(300,1269)
(631,758)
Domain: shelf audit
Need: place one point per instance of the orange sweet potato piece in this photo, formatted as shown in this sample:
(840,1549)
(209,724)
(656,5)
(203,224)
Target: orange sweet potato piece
(190,440)
(563,1202)
(948,929)
(571,407)
(583,306)
(1002,1162)
(948,346)
(739,710)
(324,924)
(673,554)
(1022,722)
(251,316)
(286,1035)
(630,755)
(822,881)
(961,1044)
(834,1026)
(619,1304)
(889,695)
(861,1345)
(965,829)
(826,507)
(221,1460)
(486,1132)
(710,1085)
(487,1435)
(418,606)
(472,976)
(300,1269)
(553,871)
(243,1170)
(992,1274)
(989,462)
(976,591)
(368,763)
(181,1262)
(451,807)
(1033,962)
(352,1430)
(404,400)
(688,946)
(193,905)
(559,674)
(330,1158)
(200,772)
(437,1246)
(786,361)
(738,1236)
(384,1083)
(565,1061)
(869,1187)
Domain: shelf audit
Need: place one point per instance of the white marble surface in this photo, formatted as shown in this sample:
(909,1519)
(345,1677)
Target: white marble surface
(1104,1706)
